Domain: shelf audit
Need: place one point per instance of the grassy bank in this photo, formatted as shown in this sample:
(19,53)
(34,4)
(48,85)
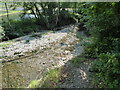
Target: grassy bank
(10,12)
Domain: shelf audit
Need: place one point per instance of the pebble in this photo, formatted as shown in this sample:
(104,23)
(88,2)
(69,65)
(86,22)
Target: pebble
(48,54)
(21,47)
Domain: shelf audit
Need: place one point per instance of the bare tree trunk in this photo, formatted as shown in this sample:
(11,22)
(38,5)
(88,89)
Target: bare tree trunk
(58,13)
(8,18)
(47,21)
(37,10)
(32,9)
(34,14)
(7,11)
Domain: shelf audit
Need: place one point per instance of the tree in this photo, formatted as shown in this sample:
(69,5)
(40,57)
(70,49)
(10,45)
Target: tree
(7,11)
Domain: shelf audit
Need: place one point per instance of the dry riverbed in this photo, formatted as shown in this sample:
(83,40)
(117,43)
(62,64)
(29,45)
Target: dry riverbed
(28,58)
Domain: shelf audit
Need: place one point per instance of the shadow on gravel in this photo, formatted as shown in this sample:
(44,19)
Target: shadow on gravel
(75,76)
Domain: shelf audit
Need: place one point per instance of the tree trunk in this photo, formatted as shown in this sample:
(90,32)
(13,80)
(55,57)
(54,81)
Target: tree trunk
(8,18)
(75,5)
(58,13)
(32,9)
(37,10)
(7,11)
(45,13)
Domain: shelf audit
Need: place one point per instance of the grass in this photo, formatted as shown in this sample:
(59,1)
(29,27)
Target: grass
(11,12)
(48,38)
(33,84)
(79,36)
(77,60)
(52,78)
(49,81)
(6,44)
(52,31)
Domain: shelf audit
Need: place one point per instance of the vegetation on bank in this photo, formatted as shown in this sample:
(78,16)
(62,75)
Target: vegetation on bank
(50,80)
(46,16)
(11,12)
(104,27)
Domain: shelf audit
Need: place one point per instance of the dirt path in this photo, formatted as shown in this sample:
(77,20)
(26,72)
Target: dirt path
(76,76)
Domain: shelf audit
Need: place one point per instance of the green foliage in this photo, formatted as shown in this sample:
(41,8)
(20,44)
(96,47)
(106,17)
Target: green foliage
(77,60)
(52,78)
(2,33)
(34,84)
(105,30)
(19,28)
(6,44)
(103,25)
(48,16)
(65,18)
(107,71)
(51,15)
(98,25)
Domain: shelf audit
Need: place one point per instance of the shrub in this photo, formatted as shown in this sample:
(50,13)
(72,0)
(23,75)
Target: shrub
(19,28)
(65,18)
(103,25)
(2,33)
(52,78)
(77,60)
(106,69)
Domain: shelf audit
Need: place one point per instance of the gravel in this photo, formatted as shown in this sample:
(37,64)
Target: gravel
(56,49)
(26,44)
